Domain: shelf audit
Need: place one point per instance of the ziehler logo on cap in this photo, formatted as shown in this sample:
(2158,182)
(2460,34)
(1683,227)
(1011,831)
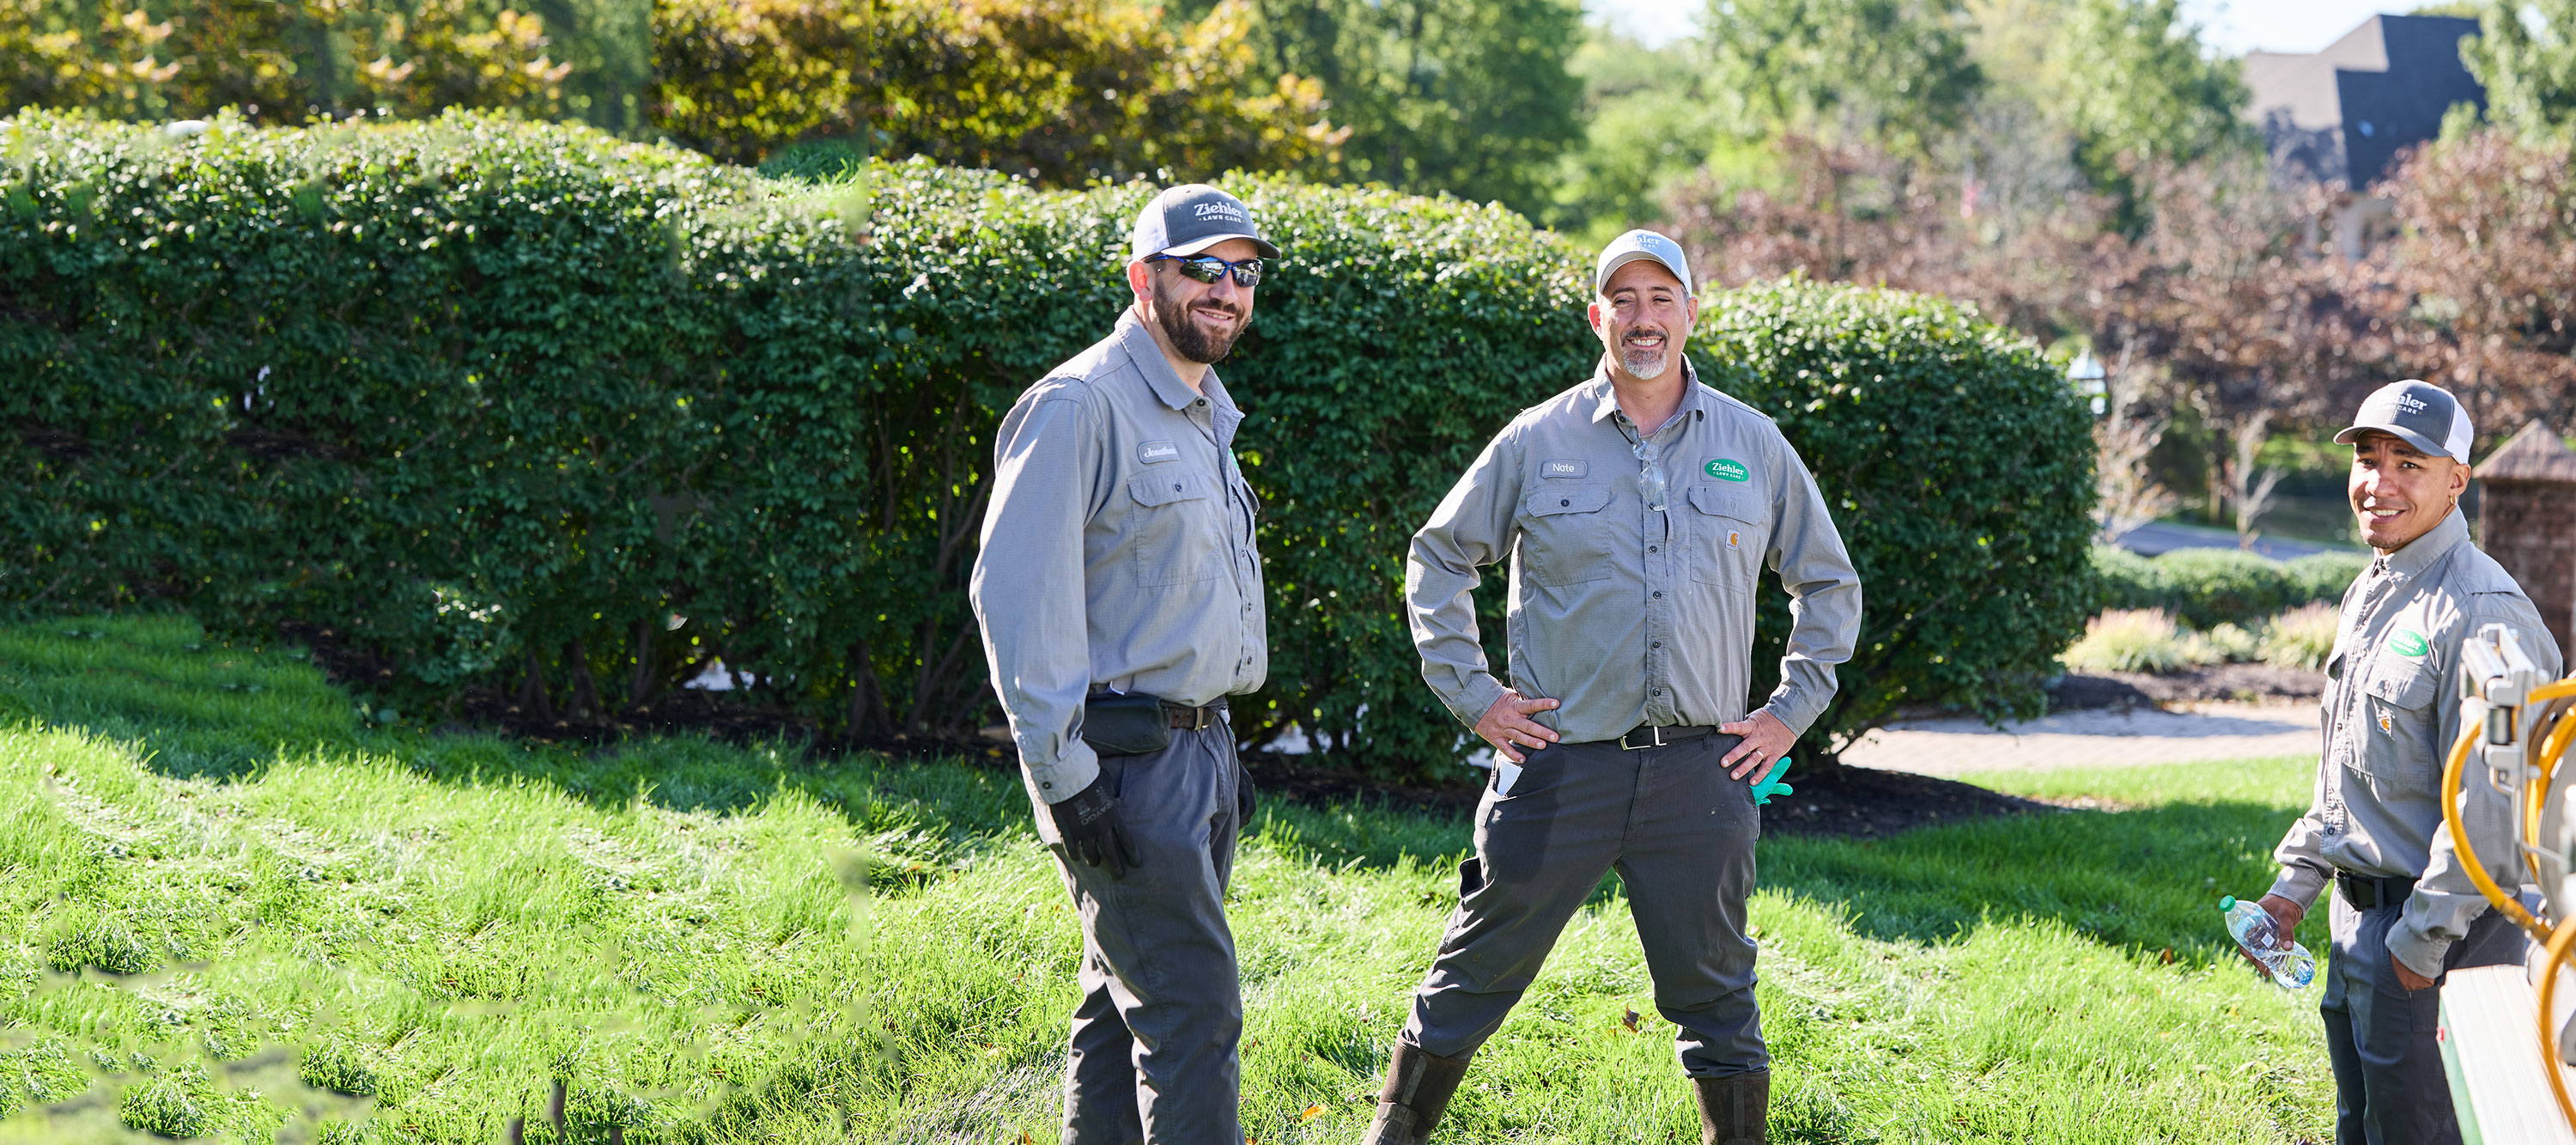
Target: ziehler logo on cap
(1190,218)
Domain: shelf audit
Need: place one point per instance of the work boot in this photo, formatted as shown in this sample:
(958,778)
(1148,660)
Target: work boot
(1733,1110)
(1418,1085)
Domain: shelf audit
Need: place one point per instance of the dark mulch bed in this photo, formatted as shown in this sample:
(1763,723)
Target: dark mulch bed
(1855,802)
(2248,683)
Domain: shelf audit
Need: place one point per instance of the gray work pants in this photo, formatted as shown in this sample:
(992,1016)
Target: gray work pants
(1153,1053)
(1677,828)
(2389,1084)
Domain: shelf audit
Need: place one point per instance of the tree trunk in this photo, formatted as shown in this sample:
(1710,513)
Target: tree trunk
(867,714)
(533,703)
(642,683)
(585,689)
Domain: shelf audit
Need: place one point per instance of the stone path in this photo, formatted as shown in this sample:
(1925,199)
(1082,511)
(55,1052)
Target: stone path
(2099,738)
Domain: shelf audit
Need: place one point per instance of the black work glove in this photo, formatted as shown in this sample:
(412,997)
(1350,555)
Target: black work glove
(1242,803)
(1092,833)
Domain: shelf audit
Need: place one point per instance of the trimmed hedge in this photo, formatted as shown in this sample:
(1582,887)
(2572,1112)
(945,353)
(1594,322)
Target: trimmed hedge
(2207,587)
(523,406)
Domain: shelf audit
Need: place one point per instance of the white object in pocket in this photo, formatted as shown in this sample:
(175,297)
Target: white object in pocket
(1506,773)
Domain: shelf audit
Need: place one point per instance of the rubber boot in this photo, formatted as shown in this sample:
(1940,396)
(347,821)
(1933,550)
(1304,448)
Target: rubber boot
(1734,1110)
(1418,1086)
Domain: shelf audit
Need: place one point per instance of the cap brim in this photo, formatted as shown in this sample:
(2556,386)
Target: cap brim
(1601,277)
(1195,246)
(2428,446)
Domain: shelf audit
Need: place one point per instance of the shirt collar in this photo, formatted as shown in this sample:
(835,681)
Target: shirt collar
(1141,349)
(1605,397)
(2420,553)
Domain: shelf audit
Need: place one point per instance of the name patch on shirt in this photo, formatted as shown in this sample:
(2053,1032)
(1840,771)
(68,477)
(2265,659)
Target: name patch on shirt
(1153,451)
(2409,643)
(1728,469)
(1574,468)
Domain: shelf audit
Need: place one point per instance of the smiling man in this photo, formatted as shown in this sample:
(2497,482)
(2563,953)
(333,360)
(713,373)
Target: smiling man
(1121,603)
(1638,510)
(2405,912)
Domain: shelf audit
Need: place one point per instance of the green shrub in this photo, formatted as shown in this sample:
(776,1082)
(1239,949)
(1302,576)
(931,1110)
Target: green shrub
(104,942)
(2208,587)
(524,407)
(2134,640)
(2323,576)
(2302,637)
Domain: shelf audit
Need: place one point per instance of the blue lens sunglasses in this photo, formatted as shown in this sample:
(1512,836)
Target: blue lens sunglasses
(1209,268)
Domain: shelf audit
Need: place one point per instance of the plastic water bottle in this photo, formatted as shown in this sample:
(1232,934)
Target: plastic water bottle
(2289,963)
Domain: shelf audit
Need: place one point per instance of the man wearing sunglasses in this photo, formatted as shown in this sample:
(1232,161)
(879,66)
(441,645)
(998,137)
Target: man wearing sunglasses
(1121,603)
(1638,510)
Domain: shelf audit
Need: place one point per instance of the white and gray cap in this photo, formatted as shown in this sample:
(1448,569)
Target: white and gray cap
(2422,414)
(1190,218)
(1635,245)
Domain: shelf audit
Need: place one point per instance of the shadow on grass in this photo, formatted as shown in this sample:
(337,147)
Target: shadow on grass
(2146,879)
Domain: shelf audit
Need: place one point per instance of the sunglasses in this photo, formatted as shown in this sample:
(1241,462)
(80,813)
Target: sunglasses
(1209,268)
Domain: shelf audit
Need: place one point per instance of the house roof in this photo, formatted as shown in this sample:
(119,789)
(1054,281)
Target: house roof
(2534,454)
(2343,114)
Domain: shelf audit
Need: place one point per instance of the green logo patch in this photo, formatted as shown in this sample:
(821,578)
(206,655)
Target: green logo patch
(2408,642)
(1728,469)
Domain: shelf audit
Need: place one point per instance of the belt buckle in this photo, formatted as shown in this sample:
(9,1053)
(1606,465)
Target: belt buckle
(1624,745)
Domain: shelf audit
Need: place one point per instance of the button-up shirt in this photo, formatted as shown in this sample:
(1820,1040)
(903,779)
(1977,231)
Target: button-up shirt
(1625,609)
(2391,710)
(1117,551)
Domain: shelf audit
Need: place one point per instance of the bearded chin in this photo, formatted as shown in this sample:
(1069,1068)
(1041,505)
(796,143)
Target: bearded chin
(1187,339)
(1645,365)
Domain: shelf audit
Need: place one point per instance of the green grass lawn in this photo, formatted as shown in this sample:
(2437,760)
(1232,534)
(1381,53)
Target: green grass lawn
(247,913)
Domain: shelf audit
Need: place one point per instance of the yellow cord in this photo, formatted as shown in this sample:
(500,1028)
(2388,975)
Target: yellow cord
(2553,749)
(2505,904)
(2559,944)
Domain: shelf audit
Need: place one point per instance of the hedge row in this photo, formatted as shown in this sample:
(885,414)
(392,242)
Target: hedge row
(523,406)
(2207,587)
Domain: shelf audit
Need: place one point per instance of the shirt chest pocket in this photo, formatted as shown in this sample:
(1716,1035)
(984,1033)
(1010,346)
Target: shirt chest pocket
(2400,720)
(1173,527)
(1729,530)
(1565,536)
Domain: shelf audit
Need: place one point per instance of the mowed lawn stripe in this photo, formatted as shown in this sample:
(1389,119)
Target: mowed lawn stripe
(319,921)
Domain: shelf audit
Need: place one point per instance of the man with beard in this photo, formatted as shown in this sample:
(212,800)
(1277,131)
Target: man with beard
(2406,912)
(1120,599)
(1637,509)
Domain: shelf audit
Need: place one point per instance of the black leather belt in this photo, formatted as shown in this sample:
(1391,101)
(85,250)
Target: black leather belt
(2367,892)
(1189,719)
(1648,735)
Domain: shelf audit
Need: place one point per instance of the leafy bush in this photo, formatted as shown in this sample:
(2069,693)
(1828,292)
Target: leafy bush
(2134,640)
(2302,637)
(1959,467)
(522,406)
(2206,587)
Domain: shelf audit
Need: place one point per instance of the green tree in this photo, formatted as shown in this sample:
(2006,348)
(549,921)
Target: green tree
(1894,74)
(1472,97)
(2525,54)
(2132,82)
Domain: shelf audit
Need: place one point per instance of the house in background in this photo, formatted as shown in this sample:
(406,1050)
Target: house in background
(2342,115)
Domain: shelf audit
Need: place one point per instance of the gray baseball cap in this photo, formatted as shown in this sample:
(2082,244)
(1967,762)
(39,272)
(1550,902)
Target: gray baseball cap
(1635,245)
(2422,414)
(1190,218)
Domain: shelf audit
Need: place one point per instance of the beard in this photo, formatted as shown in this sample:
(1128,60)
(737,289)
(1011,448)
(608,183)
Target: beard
(1646,363)
(1188,340)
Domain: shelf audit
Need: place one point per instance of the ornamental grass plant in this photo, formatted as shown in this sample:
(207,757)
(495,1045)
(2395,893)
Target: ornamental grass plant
(2302,637)
(2136,640)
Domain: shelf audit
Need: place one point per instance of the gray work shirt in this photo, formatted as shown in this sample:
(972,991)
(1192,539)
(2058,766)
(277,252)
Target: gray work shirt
(2392,708)
(1625,613)
(1117,551)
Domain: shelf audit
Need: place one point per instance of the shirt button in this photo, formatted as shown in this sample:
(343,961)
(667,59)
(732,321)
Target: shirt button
(1176,487)
(1048,786)
(1659,596)
(1659,644)
(1564,503)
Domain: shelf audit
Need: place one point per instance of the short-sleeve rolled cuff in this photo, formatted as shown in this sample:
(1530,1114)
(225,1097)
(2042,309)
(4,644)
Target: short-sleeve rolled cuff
(1066,776)
(2300,885)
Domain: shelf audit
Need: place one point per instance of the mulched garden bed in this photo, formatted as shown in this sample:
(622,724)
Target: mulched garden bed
(2243,683)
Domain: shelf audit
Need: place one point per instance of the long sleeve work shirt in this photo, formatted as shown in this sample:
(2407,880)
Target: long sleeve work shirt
(1117,551)
(2391,711)
(1628,611)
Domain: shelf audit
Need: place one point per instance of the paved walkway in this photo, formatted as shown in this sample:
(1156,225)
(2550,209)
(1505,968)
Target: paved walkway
(2100,738)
